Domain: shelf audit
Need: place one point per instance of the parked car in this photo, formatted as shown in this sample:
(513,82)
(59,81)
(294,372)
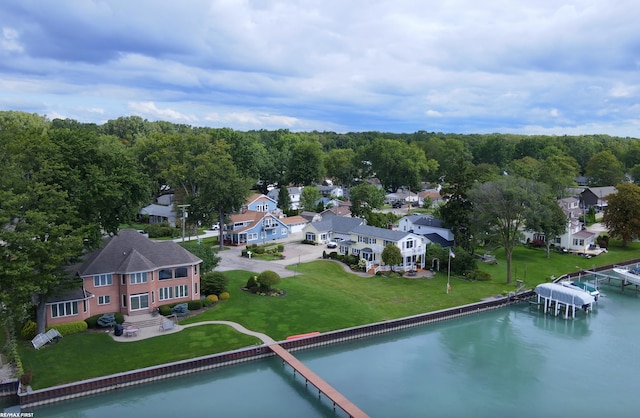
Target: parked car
(332,244)
(397,205)
(215,226)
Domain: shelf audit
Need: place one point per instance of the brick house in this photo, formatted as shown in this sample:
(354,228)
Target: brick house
(130,274)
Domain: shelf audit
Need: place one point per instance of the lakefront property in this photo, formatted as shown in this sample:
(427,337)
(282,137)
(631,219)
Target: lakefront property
(130,274)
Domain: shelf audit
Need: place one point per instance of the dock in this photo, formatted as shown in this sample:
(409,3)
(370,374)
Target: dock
(625,279)
(323,387)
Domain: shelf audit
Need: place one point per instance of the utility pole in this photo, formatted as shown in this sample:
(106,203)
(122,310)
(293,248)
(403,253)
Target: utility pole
(184,216)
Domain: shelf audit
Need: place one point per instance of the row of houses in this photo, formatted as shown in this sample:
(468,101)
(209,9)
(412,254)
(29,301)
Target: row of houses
(132,274)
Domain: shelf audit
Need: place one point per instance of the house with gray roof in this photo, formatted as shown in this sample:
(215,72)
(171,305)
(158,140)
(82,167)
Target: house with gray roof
(428,226)
(331,228)
(130,274)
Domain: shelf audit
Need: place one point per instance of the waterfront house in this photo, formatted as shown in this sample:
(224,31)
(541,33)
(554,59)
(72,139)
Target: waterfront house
(130,274)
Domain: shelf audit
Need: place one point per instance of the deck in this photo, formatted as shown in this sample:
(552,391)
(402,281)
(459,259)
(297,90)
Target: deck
(323,387)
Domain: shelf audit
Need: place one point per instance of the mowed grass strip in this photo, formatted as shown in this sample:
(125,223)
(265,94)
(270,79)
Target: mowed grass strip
(94,354)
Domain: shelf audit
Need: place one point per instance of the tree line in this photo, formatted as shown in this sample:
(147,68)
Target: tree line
(66,183)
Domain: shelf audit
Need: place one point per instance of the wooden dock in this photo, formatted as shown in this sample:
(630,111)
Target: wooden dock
(323,387)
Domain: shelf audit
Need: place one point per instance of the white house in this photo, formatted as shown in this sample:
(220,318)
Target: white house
(294,195)
(427,226)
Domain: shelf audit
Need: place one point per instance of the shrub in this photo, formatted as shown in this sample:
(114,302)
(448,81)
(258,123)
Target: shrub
(259,250)
(161,230)
(26,378)
(280,248)
(70,327)
(481,276)
(224,296)
(333,255)
(252,282)
(92,321)
(206,303)
(194,305)
(165,310)
(213,283)
(212,298)
(119,318)
(267,279)
(29,330)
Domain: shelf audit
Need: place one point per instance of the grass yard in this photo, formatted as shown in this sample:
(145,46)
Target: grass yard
(321,297)
(93,354)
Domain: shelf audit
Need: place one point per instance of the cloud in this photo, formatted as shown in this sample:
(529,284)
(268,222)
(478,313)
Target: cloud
(454,66)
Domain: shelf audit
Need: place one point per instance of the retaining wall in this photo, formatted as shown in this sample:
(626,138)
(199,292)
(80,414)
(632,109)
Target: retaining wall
(165,371)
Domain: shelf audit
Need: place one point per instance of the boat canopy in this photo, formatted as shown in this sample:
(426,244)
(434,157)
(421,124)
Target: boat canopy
(564,294)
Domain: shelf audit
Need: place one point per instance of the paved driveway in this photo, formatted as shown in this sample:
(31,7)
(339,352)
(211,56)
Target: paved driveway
(294,252)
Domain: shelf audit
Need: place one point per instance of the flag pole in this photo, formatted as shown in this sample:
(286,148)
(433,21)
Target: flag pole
(449,272)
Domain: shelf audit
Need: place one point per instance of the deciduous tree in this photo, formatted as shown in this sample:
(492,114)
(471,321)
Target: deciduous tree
(622,213)
(391,255)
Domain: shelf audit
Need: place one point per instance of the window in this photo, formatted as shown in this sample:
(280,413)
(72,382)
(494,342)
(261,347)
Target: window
(104,300)
(355,251)
(102,280)
(165,274)
(182,272)
(252,236)
(139,301)
(124,301)
(362,239)
(410,244)
(310,236)
(64,309)
(558,240)
(195,269)
(137,278)
(195,289)
(182,291)
(283,231)
(166,293)
(262,207)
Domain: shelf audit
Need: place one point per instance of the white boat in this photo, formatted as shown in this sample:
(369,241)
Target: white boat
(630,274)
(584,286)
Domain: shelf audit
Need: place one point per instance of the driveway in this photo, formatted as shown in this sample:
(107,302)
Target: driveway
(294,252)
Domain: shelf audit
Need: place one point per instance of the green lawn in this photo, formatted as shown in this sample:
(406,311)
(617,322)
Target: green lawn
(92,354)
(321,297)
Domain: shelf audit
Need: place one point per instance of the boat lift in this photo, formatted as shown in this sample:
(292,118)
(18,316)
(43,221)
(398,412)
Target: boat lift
(556,296)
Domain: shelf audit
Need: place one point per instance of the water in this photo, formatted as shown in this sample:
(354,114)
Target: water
(510,362)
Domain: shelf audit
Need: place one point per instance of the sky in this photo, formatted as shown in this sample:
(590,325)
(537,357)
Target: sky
(551,67)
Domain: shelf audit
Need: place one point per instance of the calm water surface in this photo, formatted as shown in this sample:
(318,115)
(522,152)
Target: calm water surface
(510,362)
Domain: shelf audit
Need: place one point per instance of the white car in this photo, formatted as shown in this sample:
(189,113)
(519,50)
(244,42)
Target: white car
(332,244)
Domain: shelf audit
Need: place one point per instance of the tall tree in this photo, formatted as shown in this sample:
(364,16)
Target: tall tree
(305,165)
(309,197)
(284,198)
(456,212)
(604,169)
(501,208)
(364,198)
(622,213)
(341,165)
(397,164)
(547,217)
(559,172)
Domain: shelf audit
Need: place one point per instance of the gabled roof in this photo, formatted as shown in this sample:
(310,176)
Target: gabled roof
(438,239)
(130,251)
(339,224)
(601,192)
(424,220)
(386,234)
(292,220)
(258,197)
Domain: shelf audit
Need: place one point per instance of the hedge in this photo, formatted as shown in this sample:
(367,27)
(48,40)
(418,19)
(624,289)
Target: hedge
(70,327)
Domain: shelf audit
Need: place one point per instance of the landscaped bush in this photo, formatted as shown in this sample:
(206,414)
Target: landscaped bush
(212,298)
(194,305)
(481,276)
(29,330)
(92,321)
(280,248)
(259,250)
(213,283)
(224,296)
(206,303)
(165,310)
(252,282)
(70,327)
(161,230)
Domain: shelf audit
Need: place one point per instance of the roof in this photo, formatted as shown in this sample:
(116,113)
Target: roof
(339,224)
(130,251)
(601,192)
(583,234)
(158,210)
(374,231)
(70,295)
(438,239)
(424,220)
(292,220)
